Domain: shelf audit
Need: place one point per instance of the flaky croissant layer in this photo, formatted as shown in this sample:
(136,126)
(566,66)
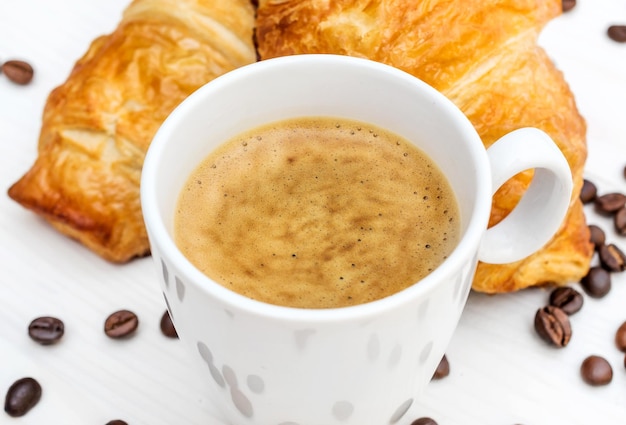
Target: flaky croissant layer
(98,125)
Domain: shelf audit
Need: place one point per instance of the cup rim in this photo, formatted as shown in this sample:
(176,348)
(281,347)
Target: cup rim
(464,252)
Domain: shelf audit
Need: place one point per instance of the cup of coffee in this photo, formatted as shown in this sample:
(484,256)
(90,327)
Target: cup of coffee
(316,221)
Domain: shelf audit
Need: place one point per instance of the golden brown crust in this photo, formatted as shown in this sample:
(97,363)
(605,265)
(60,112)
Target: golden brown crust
(484,57)
(98,125)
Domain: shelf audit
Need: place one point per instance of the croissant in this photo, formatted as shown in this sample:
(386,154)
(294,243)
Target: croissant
(98,124)
(483,55)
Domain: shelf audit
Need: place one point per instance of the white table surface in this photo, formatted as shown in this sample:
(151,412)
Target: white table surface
(501,372)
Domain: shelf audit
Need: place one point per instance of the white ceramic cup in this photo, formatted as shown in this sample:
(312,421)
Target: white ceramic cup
(361,365)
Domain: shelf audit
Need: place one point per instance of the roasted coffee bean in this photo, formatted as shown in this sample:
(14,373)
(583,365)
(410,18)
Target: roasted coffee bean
(22,396)
(617,33)
(116,422)
(19,72)
(46,330)
(167,327)
(121,324)
(597,282)
(567,299)
(612,258)
(595,371)
(443,369)
(588,192)
(553,326)
(620,337)
(619,221)
(610,203)
(568,5)
(424,421)
(597,236)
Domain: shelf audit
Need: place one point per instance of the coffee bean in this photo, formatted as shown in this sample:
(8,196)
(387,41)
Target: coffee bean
(612,258)
(424,421)
(617,33)
(610,203)
(597,236)
(116,422)
(595,371)
(167,327)
(620,337)
(568,5)
(567,299)
(588,192)
(46,330)
(443,369)
(597,282)
(19,72)
(121,324)
(619,221)
(553,326)
(22,396)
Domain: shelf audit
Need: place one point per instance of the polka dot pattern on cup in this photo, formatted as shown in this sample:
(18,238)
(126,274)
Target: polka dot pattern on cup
(225,377)
(180,289)
(241,402)
(422,311)
(373,348)
(255,384)
(425,353)
(395,356)
(401,411)
(302,336)
(207,356)
(166,274)
(229,376)
(342,410)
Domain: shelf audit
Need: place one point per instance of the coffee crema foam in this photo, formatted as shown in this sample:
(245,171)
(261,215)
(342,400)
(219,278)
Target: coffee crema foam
(317,213)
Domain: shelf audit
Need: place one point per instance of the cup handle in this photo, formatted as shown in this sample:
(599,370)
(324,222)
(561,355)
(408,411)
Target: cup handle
(541,210)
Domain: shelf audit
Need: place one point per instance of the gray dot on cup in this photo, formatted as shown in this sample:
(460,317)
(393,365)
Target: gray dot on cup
(205,353)
(302,337)
(256,384)
(342,410)
(229,376)
(425,354)
(241,402)
(422,311)
(373,348)
(166,274)
(229,314)
(217,376)
(395,356)
(180,289)
(401,411)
